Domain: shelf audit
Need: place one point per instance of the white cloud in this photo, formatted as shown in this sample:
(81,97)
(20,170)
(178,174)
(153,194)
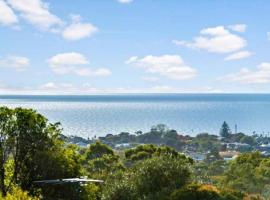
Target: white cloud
(125,1)
(246,76)
(74,63)
(37,13)
(216,40)
(19,63)
(132,60)
(239,55)
(241,28)
(171,66)
(7,16)
(72,58)
(78,30)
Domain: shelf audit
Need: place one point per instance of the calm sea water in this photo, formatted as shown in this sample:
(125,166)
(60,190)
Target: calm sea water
(187,113)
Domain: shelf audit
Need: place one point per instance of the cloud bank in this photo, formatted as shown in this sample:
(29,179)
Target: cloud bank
(170,66)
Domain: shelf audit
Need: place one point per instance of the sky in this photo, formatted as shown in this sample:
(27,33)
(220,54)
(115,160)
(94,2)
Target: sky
(134,46)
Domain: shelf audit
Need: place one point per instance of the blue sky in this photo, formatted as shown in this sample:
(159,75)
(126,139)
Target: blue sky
(125,46)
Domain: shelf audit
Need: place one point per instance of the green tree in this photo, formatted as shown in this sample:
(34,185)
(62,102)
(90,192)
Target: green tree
(195,192)
(262,172)
(97,150)
(23,134)
(241,173)
(33,134)
(248,140)
(204,192)
(225,130)
(146,151)
(205,142)
(100,160)
(7,125)
(151,179)
(101,167)
(30,149)
(18,194)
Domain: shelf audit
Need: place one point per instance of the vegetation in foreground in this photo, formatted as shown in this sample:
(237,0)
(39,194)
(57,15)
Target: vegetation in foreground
(33,149)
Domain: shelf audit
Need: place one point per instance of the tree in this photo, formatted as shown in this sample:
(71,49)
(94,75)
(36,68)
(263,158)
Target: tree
(17,193)
(97,150)
(203,192)
(241,173)
(146,151)
(32,134)
(206,142)
(30,149)
(100,160)
(248,140)
(262,173)
(140,152)
(7,124)
(225,130)
(23,133)
(196,192)
(101,167)
(151,179)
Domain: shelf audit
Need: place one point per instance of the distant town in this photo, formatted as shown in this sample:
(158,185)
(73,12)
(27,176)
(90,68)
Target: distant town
(228,145)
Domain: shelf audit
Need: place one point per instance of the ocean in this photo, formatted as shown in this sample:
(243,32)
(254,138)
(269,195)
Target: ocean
(98,115)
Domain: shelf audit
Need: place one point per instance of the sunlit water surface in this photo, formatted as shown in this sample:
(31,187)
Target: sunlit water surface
(187,113)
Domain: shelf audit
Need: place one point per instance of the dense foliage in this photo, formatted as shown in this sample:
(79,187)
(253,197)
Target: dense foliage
(33,149)
(30,150)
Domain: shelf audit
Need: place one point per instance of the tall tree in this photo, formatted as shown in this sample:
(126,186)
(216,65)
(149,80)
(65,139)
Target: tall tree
(7,124)
(26,138)
(225,130)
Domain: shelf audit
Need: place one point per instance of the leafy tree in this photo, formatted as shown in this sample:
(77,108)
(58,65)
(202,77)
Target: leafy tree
(146,151)
(33,135)
(100,160)
(217,168)
(196,192)
(97,150)
(31,150)
(248,140)
(101,167)
(141,152)
(241,173)
(7,125)
(203,192)
(151,179)
(205,142)
(18,194)
(235,137)
(262,172)
(23,134)
(225,130)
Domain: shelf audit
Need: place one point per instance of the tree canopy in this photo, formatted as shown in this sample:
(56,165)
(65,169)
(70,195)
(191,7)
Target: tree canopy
(225,130)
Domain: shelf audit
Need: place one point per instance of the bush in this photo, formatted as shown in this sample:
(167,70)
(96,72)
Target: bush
(205,192)
(19,194)
(151,179)
(196,192)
